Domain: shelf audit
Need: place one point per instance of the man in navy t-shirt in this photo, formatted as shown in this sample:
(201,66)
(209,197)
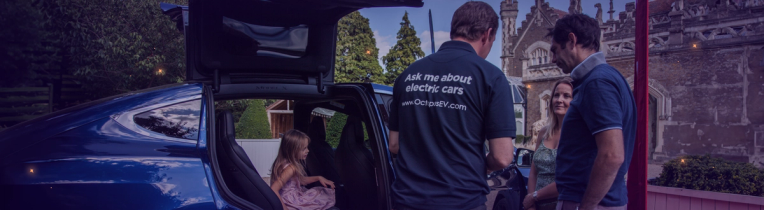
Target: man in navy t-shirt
(599,130)
(444,108)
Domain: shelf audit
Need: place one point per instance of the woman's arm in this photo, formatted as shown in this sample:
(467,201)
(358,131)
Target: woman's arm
(547,192)
(532,176)
(279,183)
(528,201)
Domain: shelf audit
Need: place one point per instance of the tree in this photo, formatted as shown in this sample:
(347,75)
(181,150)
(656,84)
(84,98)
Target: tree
(404,53)
(254,124)
(356,55)
(25,44)
(116,46)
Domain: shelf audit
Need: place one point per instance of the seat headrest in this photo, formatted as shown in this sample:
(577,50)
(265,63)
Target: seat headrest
(353,129)
(226,126)
(317,130)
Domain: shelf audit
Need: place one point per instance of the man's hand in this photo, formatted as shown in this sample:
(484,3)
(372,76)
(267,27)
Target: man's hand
(610,156)
(501,153)
(393,142)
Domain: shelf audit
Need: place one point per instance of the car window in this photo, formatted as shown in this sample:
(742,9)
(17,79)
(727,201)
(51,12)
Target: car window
(383,102)
(178,121)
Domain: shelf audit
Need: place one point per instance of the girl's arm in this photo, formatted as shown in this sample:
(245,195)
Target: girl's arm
(306,180)
(279,183)
(310,179)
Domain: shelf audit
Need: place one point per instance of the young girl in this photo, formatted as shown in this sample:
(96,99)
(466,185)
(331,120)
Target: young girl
(288,176)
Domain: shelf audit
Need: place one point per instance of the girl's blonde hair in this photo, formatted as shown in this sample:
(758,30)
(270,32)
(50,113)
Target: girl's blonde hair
(290,152)
(552,127)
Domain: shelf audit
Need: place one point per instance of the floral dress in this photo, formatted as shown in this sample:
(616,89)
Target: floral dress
(296,196)
(544,158)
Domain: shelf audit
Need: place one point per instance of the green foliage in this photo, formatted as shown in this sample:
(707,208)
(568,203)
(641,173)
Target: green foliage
(334,129)
(116,46)
(404,53)
(519,139)
(356,55)
(253,123)
(712,174)
(26,47)
(236,107)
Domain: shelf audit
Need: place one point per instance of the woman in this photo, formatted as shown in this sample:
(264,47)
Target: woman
(542,191)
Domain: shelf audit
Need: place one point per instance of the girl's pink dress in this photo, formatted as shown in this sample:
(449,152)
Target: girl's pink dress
(298,197)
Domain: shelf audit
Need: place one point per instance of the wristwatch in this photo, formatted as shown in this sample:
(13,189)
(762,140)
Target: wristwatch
(535,194)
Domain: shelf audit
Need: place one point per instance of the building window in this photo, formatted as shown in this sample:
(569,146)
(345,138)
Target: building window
(544,108)
(539,56)
(177,121)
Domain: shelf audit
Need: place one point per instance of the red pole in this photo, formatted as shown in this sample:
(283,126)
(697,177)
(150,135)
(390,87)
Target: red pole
(637,177)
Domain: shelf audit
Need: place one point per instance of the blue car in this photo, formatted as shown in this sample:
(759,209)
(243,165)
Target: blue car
(168,148)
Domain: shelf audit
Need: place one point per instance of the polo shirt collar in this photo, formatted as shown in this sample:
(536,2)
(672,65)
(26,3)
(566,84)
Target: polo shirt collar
(457,45)
(587,65)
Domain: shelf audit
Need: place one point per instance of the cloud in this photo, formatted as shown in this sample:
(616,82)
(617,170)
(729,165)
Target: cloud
(384,43)
(440,37)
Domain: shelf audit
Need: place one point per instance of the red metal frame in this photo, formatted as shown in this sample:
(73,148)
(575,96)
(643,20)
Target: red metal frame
(637,177)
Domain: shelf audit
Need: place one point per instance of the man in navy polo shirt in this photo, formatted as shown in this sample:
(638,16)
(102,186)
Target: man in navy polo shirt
(444,108)
(599,129)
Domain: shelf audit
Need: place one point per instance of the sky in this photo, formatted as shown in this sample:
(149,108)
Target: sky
(385,22)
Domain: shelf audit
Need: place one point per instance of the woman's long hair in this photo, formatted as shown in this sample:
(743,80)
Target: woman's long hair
(290,152)
(552,126)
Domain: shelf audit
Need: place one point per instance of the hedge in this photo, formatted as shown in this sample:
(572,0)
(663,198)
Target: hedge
(712,174)
(253,123)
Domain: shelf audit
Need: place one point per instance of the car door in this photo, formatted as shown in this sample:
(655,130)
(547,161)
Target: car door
(275,49)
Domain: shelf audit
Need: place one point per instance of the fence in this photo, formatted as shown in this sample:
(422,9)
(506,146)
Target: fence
(669,198)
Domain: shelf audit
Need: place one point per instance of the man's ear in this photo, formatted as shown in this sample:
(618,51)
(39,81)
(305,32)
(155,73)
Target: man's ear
(486,36)
(572,39)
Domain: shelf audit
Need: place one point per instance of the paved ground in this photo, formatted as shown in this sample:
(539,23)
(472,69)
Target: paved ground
(653,170)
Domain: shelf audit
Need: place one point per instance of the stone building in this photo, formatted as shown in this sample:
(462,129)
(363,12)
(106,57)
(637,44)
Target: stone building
(706,69)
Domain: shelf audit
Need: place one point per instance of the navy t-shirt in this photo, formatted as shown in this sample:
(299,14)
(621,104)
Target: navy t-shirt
(602,101)
(445,106)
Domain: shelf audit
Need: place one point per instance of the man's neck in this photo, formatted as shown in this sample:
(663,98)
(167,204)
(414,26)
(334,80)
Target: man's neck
(581,57)
(475,44)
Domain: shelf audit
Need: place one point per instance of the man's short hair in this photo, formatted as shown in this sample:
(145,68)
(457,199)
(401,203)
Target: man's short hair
(472,19)
(586,29)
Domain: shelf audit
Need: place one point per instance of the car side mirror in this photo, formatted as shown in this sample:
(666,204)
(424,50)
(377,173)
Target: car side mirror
(523,157)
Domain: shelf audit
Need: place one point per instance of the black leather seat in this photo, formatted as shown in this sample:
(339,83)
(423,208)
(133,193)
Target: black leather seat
(355,164)
(320,160)
(239,174)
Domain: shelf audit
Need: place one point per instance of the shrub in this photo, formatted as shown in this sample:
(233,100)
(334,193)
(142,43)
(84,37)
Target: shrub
(712,174)
(253,123)
(334,128)
(519,139)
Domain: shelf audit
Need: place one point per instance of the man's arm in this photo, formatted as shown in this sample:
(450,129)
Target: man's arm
(393,143)
(610,156)
(500,155)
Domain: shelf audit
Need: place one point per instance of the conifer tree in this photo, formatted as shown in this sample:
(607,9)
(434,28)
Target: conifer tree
(356,55)
(404,53)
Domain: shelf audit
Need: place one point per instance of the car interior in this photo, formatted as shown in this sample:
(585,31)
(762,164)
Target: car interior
(351,165)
